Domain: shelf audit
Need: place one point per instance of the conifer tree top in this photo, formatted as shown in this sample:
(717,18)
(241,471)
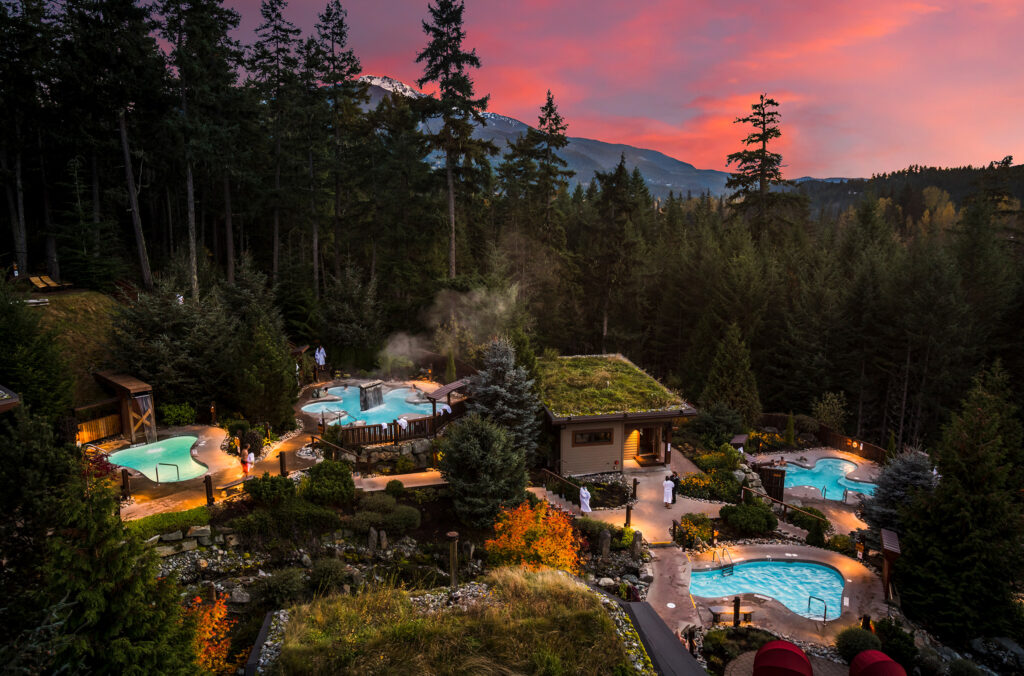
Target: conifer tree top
(606,384)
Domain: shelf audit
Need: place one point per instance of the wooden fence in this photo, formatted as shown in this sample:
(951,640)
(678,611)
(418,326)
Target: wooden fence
(100,428)
(828,437)
(392,432)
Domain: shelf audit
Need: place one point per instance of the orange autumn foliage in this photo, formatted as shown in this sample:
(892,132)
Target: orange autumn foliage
(535,537)
(211,643)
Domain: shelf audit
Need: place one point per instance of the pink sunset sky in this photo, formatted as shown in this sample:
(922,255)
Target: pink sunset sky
(865,87)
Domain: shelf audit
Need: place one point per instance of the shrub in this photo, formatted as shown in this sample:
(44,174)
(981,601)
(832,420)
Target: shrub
(168,522)
(361,522)
(816,534)
(328,575)
(805,423)
(843,544)
(236,427)
(404,518)
(281,588)
(693,526)
(807,522)
(724,645)
(896,643)
(591,530)
(377,502)
(756,519)
(404,464)
(852,641)
(254,439)
(535,537)
(268,491)
(175,415)
(727,460)
(330,483)
(831,411)
(292,517)
(395,489)
(211,643)
(716,424)
(962,667)
(626,539)
(790,437)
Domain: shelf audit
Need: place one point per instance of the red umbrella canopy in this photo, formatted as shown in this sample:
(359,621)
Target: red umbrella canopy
(875,663)
(781,658)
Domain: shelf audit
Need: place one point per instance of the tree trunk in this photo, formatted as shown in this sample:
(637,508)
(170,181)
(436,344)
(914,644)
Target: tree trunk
(15,206)
(96,207)
(277,210)
(316,229)
(52,264)
(191,201)
(451,216)
(170,224)
(133,202)
(229,235)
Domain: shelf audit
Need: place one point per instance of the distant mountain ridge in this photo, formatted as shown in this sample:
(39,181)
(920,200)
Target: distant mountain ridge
(663,174)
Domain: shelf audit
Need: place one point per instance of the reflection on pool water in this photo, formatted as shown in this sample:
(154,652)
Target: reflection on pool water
(164,461)
(828,474)
(790,582)
(347,410)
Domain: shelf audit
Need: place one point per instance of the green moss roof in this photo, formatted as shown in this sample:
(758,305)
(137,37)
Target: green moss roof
(599,385)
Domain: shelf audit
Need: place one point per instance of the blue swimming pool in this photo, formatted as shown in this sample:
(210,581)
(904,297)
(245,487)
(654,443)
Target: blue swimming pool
(828,475)
(792,583)
(346,410)
(164,461)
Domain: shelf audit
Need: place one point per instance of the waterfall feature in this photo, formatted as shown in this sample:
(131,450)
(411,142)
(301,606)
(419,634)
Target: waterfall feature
(370,395)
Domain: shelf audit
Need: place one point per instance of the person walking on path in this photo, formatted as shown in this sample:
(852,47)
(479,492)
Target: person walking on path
(669,489)
(250,461)
(584,500)
(244,454)
(320,357)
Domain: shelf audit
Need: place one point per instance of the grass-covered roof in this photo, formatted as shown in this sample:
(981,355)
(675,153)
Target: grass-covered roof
(599,385)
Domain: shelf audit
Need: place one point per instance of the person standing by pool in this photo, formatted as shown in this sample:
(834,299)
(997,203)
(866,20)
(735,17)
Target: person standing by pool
(669,489)
(244,454)
(675,485)
(320,357)
(250,461)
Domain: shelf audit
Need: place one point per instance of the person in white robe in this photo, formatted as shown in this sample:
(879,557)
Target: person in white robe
(669,489)
(584,500)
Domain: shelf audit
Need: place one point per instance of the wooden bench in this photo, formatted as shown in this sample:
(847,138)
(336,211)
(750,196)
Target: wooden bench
(717,612)
(235,486)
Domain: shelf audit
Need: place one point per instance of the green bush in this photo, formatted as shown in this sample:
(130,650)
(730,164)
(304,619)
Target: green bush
(719,460)
(693,526)
(377,502)
(805,423)
(404,464)
(756,519)
(790,437)
(254,439)
(236,427)
(268,491)
(724,645)
(816,534)
(281,588)
(328,575)
(175,415)
(896,643)
(807,522)
(716,425)
(843,544)
(291,518)
(395,489)
(361,522)
(330,483)
(404,518)
(852,641)
(625,539)
(168,522)
(962,667)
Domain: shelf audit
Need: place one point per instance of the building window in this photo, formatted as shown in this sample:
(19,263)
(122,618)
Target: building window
(592,437)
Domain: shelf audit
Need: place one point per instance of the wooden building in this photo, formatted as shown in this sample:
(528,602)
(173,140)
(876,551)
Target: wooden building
(137,414)
(8,399)
(607,413)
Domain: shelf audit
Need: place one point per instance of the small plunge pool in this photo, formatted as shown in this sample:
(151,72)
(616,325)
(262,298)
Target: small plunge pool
(163,461)
(792,583)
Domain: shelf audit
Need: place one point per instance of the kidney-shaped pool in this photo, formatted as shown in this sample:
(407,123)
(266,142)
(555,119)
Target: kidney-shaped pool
(808,589)
(164,461)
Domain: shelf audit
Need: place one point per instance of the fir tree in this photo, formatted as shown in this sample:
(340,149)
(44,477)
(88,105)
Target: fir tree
(965,537)
(503,392)
(447,64)
(484,469)
(899,481)
(731,382)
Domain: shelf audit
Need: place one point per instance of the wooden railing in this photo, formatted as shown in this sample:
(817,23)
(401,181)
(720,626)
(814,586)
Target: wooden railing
(785,507)
(392,432)
(560,486)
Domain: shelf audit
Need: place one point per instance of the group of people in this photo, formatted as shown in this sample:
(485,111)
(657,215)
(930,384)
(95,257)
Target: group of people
(670,486)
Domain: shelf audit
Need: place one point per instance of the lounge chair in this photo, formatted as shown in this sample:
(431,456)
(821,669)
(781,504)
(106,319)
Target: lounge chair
(55,285)
(39,283)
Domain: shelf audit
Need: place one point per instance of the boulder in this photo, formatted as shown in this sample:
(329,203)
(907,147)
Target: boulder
(604,543)
(606,582)
(739,476)
(646,573)
(172,537)
(631,579)
(636,548)
(199,531)
(383,536)
(218,539)
(240,595)
(153,540)
(371,540)
(232,540)
(176,548)
(306,561)
(205,540)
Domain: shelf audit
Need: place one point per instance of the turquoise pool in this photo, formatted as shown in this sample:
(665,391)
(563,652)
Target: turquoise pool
(164,461)
(792,583)
(347,410)
(828,475)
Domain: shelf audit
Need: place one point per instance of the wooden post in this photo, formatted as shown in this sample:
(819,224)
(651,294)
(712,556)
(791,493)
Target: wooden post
(736,611)
(453,558)
(629,515)
(636,483)
(674,529)
(284,467)
(691,639)
(208,482)
(126,485)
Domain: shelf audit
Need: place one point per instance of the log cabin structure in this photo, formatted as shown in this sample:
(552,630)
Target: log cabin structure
(606,413)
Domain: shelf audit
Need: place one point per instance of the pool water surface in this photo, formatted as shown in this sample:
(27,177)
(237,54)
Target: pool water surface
(163,461)
(347,410)
(792,583)
(829,476)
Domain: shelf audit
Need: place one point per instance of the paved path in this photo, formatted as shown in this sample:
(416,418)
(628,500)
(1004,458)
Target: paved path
(744,666)
(416,480)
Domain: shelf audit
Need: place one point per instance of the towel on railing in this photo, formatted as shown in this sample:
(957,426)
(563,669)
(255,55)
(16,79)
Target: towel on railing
(403,423)
(444,408)
(384,426)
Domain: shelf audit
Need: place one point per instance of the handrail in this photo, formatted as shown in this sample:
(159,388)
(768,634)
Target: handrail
(169,464)
(824,615)
(824,492)
(784,504)
(572,497)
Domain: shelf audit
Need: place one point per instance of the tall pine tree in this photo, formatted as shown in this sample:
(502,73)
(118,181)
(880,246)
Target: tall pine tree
(731,382)
(503,392)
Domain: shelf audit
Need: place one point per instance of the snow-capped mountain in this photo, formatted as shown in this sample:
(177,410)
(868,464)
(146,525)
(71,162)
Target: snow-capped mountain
(583,155)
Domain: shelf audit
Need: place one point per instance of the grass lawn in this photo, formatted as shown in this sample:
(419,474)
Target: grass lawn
(597,385)
(81,320)
(535,623)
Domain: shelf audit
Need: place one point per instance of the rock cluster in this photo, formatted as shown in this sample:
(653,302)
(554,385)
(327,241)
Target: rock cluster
(271,648)
(630,639)
(464,597)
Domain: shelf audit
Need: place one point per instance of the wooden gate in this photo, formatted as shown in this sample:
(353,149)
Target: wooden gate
(774,481)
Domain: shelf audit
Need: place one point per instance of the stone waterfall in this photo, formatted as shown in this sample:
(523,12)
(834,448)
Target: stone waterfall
(371,395)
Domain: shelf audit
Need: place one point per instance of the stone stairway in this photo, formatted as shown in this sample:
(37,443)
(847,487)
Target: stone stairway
(554,500)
